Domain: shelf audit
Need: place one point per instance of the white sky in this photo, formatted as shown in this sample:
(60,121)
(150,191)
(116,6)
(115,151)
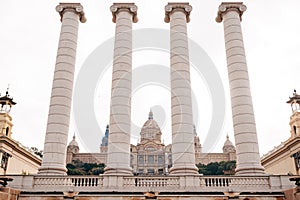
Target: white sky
(28,44)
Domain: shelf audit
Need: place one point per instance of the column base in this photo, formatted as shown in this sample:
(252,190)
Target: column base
(44,170)
(118,171)
(249,170)
(183,170)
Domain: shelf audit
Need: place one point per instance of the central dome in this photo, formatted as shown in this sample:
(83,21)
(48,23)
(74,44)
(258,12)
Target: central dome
(150,130)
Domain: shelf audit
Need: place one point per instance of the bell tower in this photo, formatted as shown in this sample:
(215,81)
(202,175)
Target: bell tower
(295,117)
(6,103)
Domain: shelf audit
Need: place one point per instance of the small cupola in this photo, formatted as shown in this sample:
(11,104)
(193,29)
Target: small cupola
(6,103)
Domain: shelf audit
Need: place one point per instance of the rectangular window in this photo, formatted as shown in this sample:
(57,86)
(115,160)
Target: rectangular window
(160,171)
(150,171)
(141,171)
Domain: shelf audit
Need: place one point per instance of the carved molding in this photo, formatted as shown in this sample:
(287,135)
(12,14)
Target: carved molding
(71,7)
(127,7)
(174,7)
(238,7)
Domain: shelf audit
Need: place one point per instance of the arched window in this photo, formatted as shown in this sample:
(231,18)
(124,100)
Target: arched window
(7,131)
(150,159)
(295,130)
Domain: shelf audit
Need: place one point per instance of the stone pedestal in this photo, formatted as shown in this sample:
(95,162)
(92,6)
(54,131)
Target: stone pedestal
(247,152)
(118,153)
(54,158)
(183,153)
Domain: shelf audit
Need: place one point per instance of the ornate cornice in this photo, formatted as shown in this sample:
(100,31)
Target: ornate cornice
(127,7)
(17,148)
(286,148)
(173,7)
(225,7)
(71,7)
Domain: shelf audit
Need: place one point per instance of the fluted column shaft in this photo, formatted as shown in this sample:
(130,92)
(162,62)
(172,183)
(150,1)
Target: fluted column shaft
(247,151)
(183,153)
(118,158)
(54,158)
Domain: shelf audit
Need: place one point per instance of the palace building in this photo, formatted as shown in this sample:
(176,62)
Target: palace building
(150,156)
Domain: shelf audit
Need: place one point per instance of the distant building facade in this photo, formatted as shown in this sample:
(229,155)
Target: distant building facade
(150,156)
(228,154)
(15,159)
(285,158)
(73,154)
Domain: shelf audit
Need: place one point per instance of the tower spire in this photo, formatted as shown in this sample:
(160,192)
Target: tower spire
(150,114)
(7,90)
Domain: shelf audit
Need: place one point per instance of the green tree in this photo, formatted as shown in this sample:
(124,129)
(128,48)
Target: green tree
(217,168)
(79,168)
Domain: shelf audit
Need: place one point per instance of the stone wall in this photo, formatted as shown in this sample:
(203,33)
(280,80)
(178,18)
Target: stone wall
(163,197)
(9,193)
(213,157)
(91,157)
(292,194)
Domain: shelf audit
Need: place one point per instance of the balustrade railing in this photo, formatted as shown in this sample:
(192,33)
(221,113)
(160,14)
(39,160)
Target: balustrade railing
(144,183)
(235,181)
(154,181)
(216,182)
(68,181)
(87,182)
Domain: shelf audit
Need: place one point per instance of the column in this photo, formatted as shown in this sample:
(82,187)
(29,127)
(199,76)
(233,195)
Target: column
(118,153)
(247,152)
(54,158)
(183,153)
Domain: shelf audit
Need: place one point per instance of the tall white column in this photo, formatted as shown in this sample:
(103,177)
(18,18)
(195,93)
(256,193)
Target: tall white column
(247,152)
(54,158)
(118,153)
(183,153)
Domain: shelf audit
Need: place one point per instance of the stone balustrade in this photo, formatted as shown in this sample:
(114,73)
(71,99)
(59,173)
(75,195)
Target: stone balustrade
(67,183)
(154,182)
(195,183)
(234,183)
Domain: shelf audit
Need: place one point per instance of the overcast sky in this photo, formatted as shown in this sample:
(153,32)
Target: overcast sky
(28,45)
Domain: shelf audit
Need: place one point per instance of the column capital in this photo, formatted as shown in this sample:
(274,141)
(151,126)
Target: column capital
(225,7)
(71,7)
(127,7)
(173,7)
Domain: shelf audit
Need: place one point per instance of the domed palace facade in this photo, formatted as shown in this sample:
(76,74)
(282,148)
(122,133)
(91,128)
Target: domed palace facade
(150,156)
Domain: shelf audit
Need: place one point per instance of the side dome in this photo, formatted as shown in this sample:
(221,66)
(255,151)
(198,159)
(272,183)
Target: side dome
(150,130)
(228,147)
(73,146)
(73,142)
